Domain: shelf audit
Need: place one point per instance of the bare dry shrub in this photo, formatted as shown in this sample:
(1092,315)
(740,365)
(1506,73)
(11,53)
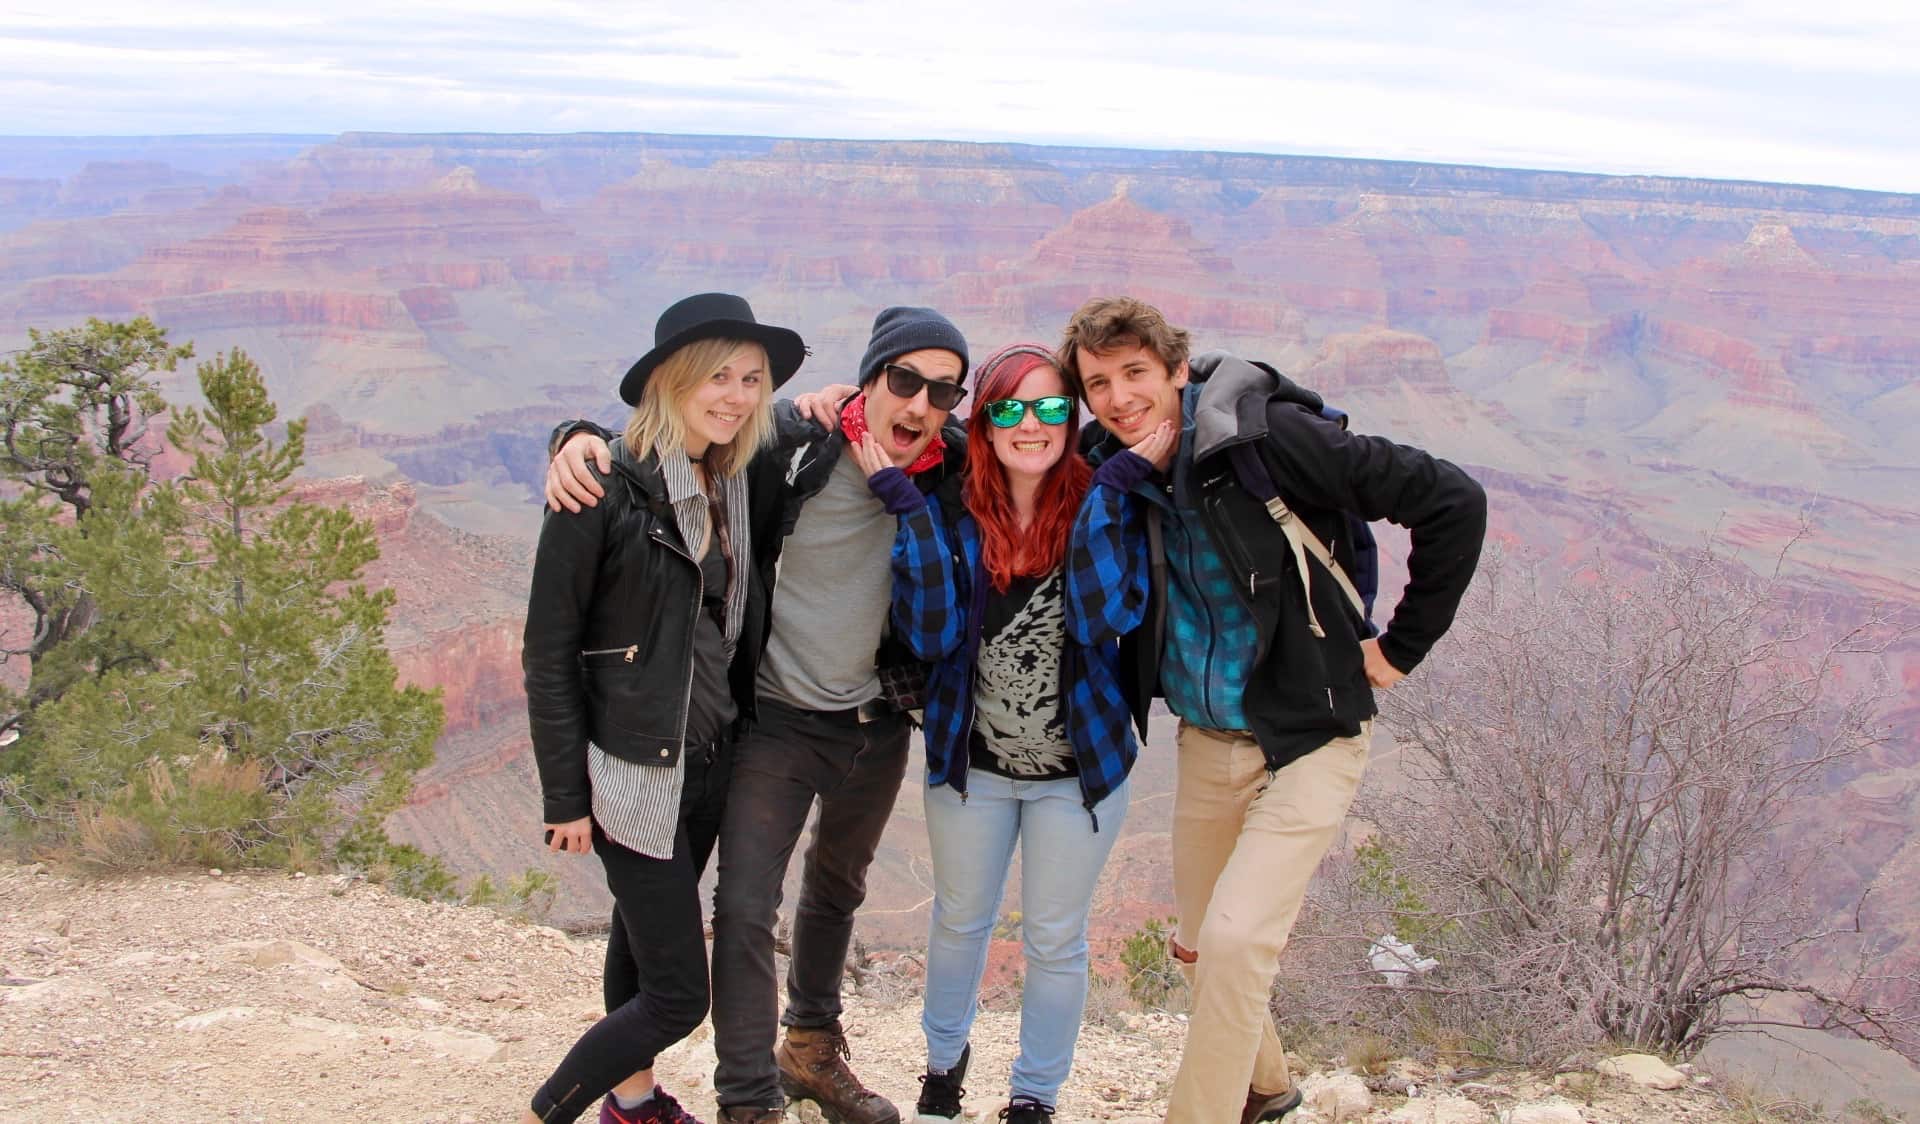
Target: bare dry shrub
(1592,835)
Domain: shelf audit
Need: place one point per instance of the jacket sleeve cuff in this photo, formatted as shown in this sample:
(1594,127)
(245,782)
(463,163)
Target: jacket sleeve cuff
(567,808)
(896,490)
(1403,657)
(1123,470)
(565,430)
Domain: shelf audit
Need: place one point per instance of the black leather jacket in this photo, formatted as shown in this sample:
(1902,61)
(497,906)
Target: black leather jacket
(780,480)
(608,647)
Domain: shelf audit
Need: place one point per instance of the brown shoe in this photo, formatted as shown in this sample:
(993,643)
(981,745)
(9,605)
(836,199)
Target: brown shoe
(813,1067)
(1268,1106)
(752,1114)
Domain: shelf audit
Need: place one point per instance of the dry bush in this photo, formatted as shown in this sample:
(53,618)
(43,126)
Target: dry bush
(1593,837)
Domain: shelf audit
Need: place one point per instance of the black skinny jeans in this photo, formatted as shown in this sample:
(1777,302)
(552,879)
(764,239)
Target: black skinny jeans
(656,972)
(785,763)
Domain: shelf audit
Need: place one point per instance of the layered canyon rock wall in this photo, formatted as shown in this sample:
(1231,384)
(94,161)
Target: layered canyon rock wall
(1626,361)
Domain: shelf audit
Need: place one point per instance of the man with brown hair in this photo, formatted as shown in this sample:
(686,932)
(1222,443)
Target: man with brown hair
(1232,552)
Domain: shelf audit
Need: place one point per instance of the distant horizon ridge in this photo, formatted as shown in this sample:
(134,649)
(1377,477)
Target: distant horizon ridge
(28,140)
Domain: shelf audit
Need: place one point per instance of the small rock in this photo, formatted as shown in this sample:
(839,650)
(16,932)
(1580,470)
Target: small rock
(1644,1070)
(1443,1109)
(206,1019)
(57,992)
(1338,1099)
(273,954)
(214,871)
(1544,1112)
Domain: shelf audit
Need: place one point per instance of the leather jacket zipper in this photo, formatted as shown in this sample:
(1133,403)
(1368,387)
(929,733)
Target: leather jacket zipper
(699,591)
(628,653)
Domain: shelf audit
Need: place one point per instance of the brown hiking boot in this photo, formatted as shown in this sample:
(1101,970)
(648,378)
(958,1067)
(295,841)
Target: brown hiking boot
(752,1114)
(813,1067)
(1268,1106)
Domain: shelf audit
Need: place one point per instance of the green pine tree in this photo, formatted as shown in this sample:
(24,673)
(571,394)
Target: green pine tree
(209,678)
(281,659)
(79,522)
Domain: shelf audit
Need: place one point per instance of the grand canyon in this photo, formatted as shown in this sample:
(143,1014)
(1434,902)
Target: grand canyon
(1624,362)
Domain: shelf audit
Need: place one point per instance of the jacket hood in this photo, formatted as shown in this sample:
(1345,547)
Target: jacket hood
(1234,394)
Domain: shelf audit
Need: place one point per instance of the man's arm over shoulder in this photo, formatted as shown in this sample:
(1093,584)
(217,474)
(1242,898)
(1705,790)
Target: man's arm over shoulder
(1442,507)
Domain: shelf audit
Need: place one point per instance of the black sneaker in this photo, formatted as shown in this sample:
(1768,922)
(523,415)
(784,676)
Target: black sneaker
(940,1093)
(1026,1110)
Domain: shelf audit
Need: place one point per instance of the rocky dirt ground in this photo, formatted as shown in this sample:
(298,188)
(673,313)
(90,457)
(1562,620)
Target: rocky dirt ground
(274,997)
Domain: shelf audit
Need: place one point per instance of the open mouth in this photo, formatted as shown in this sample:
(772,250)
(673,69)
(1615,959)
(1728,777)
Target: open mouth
(906,435)
(1031,446)
(726,419)
(1130,421)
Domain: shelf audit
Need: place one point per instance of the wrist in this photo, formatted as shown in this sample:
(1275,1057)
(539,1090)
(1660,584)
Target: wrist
(896,491)
(1123,471)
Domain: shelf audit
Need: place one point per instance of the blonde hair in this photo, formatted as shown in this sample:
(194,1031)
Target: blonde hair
(657,420)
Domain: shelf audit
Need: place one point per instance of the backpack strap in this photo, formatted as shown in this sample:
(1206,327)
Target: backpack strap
(1255,478)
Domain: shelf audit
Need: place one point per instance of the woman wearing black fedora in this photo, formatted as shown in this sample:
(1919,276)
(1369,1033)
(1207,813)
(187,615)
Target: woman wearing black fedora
(642,633)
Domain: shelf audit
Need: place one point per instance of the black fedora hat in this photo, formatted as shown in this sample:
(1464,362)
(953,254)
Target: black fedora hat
(708,316)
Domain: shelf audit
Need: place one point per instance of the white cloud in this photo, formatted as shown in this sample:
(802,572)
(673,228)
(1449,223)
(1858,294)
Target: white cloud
(1760,89)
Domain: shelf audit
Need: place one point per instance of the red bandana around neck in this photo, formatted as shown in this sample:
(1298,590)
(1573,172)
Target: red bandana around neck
(853,422)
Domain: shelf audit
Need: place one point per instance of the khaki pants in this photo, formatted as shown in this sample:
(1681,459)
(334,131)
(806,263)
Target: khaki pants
(1245,844)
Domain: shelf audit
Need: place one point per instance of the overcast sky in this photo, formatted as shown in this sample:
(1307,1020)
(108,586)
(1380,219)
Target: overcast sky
(1808,91)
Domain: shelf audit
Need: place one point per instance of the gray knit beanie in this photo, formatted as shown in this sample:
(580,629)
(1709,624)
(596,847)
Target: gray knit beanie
(901,329)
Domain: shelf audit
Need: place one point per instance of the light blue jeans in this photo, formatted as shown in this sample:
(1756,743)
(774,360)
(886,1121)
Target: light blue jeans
(972,844)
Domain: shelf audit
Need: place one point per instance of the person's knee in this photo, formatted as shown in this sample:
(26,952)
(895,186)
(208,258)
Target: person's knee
(1054,944)
(828,889)
(683,1012)
(1227,940)
(745,904)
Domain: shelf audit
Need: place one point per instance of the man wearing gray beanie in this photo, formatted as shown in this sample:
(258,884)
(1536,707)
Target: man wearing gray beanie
(822,729)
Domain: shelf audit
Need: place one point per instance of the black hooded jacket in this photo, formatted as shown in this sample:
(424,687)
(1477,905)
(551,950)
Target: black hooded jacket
(1305,689)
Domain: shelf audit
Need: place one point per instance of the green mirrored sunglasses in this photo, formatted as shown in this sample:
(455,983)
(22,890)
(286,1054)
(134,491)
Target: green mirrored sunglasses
(1005,413)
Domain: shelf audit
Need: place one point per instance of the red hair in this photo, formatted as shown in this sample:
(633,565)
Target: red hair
(1006,550)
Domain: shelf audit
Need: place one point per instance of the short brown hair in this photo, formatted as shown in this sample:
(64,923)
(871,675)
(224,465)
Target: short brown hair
(1104,323)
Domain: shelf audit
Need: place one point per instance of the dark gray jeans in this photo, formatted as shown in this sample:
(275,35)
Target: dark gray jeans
(790,759)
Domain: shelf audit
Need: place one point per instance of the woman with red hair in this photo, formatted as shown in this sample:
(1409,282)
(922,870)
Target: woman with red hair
(1027,733)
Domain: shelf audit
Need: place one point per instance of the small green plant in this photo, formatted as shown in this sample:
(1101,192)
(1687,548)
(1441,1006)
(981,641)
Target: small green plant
(1413,920)
(1866,1110)
(1008,928)
(532,892)
(401,867)
(1153,975)
(483,892)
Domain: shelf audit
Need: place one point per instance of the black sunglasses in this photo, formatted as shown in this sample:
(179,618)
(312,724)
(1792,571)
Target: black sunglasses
(906,382)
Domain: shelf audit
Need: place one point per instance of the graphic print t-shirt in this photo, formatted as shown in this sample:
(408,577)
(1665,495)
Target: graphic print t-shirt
(1018,730)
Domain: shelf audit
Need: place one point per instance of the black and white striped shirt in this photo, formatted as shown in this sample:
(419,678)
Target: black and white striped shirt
(638,806)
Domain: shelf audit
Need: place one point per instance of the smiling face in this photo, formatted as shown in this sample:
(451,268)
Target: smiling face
(715,409)
(1029,449)
(1130,391)
(905,426)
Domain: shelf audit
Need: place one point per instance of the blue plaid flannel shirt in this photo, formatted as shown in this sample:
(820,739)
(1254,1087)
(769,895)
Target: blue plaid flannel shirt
(939,597)
(1211,638)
